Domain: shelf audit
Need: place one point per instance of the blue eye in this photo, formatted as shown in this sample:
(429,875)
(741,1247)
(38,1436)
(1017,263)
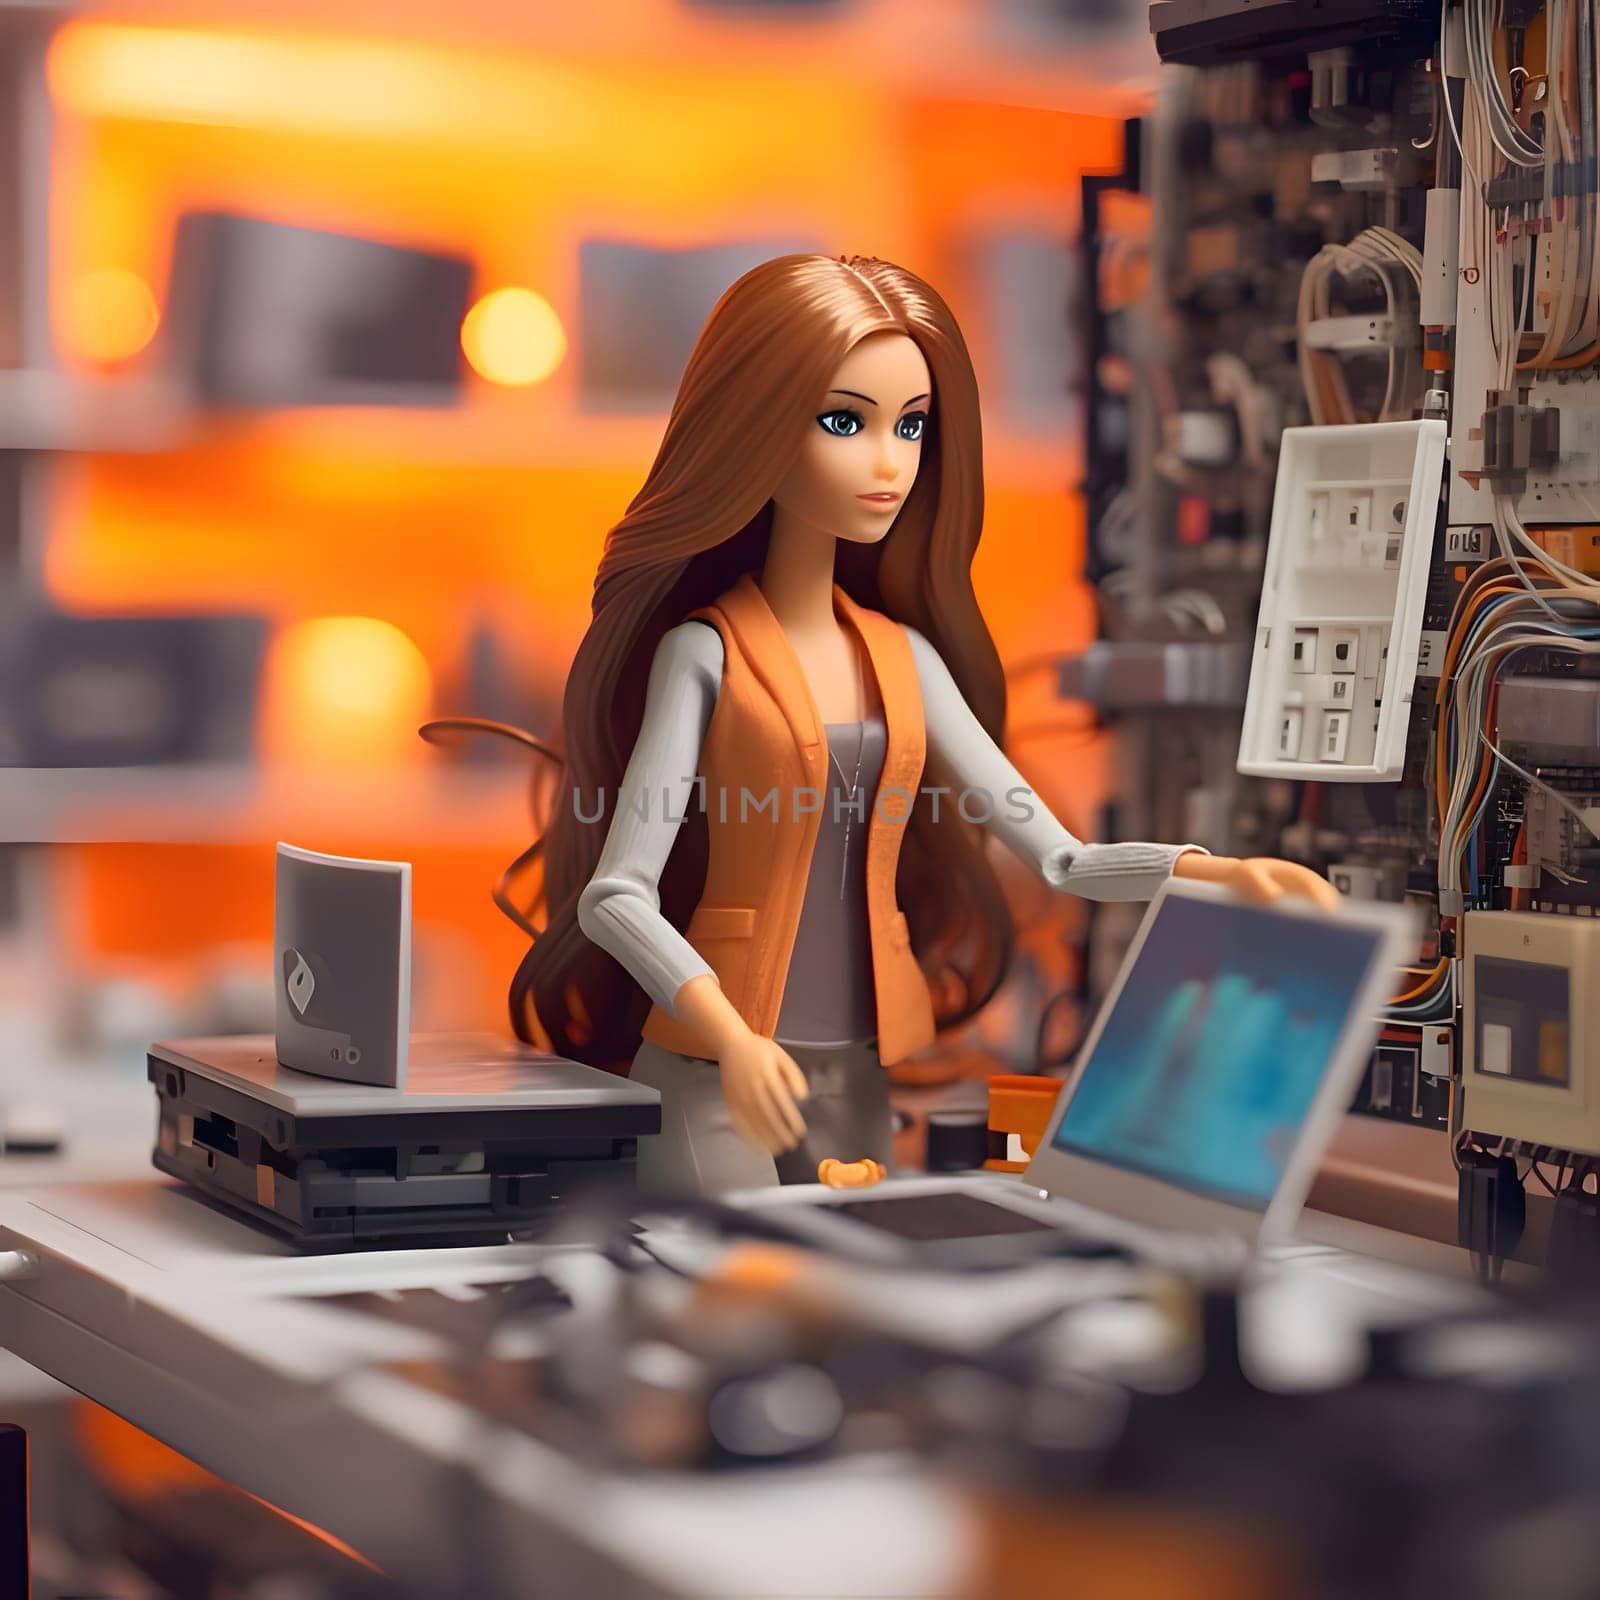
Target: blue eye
(842,424)
(910,426)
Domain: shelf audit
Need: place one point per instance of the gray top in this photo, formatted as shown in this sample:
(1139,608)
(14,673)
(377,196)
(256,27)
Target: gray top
(621,907)
(828,992)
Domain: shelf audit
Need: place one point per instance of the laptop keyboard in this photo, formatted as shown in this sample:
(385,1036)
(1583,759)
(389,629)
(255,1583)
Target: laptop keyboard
(942,1218)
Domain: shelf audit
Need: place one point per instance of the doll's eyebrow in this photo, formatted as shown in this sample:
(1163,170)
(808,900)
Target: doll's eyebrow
(857,395)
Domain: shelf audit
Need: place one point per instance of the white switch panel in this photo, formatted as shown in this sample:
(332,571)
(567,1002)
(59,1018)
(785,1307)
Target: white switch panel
(1337,641)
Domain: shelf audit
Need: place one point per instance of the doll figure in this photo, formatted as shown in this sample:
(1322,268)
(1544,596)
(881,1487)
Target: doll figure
(765,879)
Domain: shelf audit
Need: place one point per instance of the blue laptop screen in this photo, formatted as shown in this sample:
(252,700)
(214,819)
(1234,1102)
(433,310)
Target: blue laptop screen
(1213,1053)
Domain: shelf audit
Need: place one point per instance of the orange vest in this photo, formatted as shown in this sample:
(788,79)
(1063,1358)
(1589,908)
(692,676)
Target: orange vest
(765,735)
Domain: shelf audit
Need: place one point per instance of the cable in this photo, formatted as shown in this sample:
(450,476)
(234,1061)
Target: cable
(1397,265)
(1433,127)
(430,731)
(1519,858)
(1505,528)
(1440,968)
(1561,800)
(501,893)
(1553,238)
(1470,701)
(1482,18)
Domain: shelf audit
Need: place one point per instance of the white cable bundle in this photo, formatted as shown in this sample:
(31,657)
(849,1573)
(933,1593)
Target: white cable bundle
(1494,250)
(1566,234)
(1483,18)
(1398,267)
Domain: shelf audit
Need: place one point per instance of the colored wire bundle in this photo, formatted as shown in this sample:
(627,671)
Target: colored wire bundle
(1502,612)
(1527,599)
(1430,999)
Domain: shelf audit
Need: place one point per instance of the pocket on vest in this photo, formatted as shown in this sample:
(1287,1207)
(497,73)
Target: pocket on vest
(721,922)
(724,937)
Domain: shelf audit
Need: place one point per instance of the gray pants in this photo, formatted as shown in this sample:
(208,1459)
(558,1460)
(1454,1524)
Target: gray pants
(697,1152)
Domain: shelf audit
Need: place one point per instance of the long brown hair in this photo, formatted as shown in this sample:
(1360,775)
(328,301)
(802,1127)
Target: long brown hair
(754,382)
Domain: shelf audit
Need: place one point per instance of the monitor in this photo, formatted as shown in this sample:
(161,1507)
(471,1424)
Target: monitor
(129,691)
(641,307)
(1220,1063)
(342,952)
(262,313)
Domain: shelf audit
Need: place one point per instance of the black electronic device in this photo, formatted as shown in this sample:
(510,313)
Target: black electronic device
(14,1559)
(1205,32)
(486,1139)
(135,690)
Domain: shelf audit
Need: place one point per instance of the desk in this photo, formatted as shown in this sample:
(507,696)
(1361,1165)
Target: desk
(209,1335)
(216,1339)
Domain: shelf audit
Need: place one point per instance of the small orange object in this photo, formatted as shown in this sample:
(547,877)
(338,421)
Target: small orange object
(1020,1105)
(851,1174)
(1577,546)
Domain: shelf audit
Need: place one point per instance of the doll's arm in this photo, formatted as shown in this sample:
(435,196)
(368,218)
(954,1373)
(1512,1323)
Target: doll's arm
(1016,815)
(620,909)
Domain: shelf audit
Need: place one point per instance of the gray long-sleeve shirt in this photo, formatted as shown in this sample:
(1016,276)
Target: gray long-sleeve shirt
(620,909)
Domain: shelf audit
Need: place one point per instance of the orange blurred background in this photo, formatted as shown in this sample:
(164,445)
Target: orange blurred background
(380,540)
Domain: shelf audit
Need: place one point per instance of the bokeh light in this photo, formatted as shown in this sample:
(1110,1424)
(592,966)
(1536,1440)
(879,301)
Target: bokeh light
(345,692)
(513,337)
(106,316)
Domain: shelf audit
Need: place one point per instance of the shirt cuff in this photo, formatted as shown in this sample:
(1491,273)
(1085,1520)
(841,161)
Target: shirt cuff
(1132,871)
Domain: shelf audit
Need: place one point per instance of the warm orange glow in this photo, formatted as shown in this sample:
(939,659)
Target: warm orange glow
(106,316)
(130,1463)
(375,508)
(344,692)
(219,897)
(513,337)
(321,1535)
(237,80)
(137,1467)
(489,519)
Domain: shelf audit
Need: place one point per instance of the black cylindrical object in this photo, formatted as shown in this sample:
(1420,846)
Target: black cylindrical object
(958,1141)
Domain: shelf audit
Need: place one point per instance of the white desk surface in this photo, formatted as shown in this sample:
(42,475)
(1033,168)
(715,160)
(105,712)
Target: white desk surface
(196,1328)
(208,1334)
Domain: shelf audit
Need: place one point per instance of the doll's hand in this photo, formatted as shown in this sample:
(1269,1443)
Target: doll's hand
(1258,878)
(761,1084)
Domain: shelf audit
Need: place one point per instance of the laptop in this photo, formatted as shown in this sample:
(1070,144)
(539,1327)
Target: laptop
(1214,1077)
(342,964)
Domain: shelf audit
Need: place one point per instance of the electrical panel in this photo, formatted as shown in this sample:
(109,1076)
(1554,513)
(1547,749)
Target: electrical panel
(1342,601)
(1408,1078)
(1531,1017)
(1361,221)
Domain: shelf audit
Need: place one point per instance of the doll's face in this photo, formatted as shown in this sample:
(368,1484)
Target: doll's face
(863,447)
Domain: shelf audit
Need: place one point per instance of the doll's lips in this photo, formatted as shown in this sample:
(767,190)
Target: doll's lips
(881,497)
